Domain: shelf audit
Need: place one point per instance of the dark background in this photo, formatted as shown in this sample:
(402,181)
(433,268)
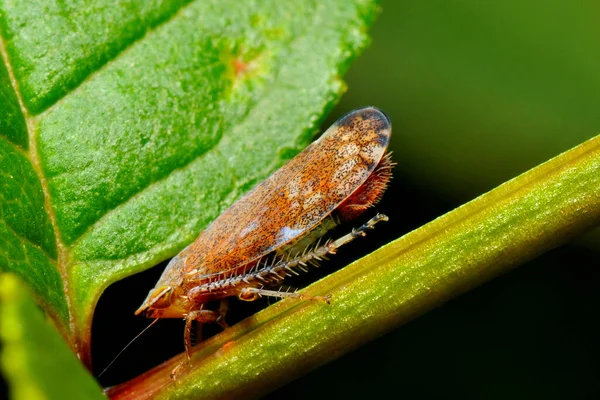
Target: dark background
(478,91)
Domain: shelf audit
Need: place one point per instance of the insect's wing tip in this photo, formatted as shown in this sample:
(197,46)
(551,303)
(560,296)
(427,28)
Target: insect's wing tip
(373,113)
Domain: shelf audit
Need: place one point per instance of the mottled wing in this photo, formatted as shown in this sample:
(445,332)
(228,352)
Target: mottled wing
(296,198)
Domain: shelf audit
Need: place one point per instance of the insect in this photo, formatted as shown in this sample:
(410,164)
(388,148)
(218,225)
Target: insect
(275,230)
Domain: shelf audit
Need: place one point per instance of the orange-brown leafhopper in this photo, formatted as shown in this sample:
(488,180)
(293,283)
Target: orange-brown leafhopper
(271,232)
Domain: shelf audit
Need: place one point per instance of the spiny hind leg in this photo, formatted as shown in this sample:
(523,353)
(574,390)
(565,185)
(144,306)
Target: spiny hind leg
(361,231)
(277,272)
(331,247)
(253,293)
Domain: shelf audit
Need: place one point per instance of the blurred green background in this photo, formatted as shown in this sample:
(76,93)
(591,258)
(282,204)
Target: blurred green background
(480,91)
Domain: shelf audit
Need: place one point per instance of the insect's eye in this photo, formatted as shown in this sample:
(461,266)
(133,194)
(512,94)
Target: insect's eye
(161,297)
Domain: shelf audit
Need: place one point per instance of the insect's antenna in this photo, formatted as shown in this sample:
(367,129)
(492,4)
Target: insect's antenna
(126,346)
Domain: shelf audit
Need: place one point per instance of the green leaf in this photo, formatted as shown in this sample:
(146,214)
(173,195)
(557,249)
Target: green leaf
(12,122)
(131,125)
(458,251)
(37,362)
(28,244)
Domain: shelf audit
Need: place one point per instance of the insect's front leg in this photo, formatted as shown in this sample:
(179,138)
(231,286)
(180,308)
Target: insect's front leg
(202,317)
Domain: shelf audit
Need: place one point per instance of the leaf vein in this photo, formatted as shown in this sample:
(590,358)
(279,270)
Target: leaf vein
(27,240)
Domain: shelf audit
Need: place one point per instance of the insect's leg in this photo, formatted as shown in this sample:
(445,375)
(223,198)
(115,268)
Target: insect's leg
(203,317)
(252,293)
(187,334)
(187,344)
(223,308)
(318,253)
(277,272)
(332,247)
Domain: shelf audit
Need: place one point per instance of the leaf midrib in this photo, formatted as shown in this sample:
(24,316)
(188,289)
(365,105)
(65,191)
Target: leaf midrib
(31,153)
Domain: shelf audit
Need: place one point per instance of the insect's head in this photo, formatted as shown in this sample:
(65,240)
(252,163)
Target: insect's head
(166,300)
(158,300)
(162,302)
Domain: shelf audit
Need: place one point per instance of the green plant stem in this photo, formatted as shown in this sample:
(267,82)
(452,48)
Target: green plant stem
(513,223)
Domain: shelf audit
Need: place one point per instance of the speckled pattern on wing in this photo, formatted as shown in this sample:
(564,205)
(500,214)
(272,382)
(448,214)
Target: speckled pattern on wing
(294,199)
